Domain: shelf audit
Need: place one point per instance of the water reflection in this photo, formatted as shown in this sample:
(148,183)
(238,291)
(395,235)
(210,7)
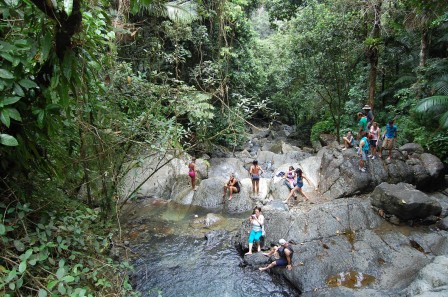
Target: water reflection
(173,258)
(350,279)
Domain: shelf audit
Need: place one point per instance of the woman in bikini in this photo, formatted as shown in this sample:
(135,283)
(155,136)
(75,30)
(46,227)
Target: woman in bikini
(192,173)
(255,171)
(232,185)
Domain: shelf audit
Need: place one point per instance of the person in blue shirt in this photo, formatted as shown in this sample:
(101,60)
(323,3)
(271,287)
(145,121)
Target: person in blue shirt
(389,138)
(363,151)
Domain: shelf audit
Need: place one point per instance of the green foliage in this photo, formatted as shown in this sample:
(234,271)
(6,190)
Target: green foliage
(59,255)
(325,126)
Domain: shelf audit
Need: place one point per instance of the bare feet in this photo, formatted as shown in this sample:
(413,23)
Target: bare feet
(230,198)
(285,201)
(262,268)
(248,253)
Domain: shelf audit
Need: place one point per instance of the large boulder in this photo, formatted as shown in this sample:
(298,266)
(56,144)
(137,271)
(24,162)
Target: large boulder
(210,195)
(340,177)
(223,167)
(404,201)
(346,236)
(152,180)
(435,169)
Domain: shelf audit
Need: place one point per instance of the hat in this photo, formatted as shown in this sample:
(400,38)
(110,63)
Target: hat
(366,107)
(282,241)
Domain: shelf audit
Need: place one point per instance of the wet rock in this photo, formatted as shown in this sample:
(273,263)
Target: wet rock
(432,280)
(404,201)
(411,148)
(443,224)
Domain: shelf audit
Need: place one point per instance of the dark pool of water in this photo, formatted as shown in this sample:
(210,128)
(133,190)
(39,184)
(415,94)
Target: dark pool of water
(173,258)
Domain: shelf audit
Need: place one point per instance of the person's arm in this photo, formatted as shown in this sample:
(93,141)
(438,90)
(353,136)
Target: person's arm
(306,178)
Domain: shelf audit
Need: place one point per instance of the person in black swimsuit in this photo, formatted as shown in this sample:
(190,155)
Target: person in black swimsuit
(232,185)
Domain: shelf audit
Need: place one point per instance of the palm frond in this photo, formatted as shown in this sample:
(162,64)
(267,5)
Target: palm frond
(434,103)
(443,121)
(181,11)
(441,85)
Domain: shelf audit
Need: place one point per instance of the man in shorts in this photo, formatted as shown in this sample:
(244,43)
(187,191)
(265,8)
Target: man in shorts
(389,138)
(285,253)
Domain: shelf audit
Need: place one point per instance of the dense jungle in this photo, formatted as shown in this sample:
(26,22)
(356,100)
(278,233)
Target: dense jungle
(88,87)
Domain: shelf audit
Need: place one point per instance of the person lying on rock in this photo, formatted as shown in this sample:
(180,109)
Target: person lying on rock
(257,221)
(232,185)
(285,253)
(299,185)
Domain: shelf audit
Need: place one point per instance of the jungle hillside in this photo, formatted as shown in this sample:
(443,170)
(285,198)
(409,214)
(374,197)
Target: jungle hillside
(87,86)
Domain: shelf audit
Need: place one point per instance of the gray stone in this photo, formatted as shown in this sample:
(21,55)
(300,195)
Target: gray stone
(404,201)
(411,148)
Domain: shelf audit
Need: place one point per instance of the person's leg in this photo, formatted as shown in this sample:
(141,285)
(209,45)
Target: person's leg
(268,267)
(251,241)
(231,190)
(303,194)
(225,190)
(290,194)
(257,186)
(253,186)
(193,182)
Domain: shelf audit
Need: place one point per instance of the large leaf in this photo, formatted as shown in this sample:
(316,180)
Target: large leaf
(434,103)
(14,114)
(6,74)
(4,117)
(27,84)
(8,140)
(10,100)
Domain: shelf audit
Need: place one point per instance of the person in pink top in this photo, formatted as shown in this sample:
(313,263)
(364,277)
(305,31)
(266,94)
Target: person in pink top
(375,133)
(192,173)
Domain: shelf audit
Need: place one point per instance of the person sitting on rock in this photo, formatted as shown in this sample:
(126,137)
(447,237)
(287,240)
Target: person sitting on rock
(299,185)
(232,185)
(285,253)
(290,177)
(349,140)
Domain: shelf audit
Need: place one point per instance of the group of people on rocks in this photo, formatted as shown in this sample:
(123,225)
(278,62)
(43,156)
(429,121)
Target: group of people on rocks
(369,136)
(293,179)
(282,252)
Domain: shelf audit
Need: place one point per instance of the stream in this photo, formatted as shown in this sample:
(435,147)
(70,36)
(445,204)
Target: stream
(175,254)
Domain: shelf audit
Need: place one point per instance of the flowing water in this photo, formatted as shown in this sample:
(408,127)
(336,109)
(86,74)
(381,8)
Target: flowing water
(176,255)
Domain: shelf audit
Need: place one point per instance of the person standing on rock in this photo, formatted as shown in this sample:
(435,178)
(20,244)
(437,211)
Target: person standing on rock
(390,135)
(232,185)
(369,115)
(257,221)
(375,132)
(299,185)
(255,171)
(192,173)
(285,253)
(363,150)
(362,124)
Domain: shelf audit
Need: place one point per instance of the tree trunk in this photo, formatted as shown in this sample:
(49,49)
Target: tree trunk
(372,52)
(423,47)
